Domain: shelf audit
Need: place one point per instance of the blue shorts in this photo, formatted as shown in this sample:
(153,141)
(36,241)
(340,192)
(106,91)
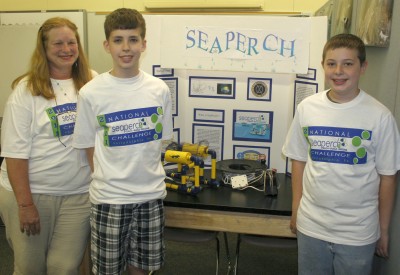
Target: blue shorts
(320,257)
(127,234)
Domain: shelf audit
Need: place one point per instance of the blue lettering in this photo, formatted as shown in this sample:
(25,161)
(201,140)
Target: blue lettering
(240,42)
(252,45)
(216,46)
(290,47)
(188,37)
(236,41)
(203,34)
(270,43)
(230,36)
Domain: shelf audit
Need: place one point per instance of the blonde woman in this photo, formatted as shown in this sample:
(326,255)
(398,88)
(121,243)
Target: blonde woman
(44,181)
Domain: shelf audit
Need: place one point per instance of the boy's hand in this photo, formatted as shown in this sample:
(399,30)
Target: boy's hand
(382,246)
(293,221)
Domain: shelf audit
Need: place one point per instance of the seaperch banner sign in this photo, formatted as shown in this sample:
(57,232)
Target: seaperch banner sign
(256,44)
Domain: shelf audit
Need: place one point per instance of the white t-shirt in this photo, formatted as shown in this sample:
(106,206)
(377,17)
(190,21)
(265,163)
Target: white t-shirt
(40,130)
(345,147)
(125,120)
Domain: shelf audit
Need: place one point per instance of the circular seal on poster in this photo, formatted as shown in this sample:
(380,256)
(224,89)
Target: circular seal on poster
(259,89)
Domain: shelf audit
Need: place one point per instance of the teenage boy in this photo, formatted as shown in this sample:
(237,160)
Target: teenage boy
(345,151)
(123,115)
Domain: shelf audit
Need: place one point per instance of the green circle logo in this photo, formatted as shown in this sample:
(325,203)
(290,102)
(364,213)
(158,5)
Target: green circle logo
(365,135)
(356,141)
(160,111)
(361,152)
(154,118)
(158,128)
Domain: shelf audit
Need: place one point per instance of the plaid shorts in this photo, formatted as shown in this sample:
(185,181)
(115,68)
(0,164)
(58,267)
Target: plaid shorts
(127,234)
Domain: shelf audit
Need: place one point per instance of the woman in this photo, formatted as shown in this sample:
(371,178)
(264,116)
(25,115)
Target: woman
(44,181)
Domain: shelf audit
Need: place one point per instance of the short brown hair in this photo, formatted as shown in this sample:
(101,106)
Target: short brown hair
(124,19)
(345,40)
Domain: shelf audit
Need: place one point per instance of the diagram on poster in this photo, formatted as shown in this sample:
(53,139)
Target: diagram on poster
(216,87)
(172,83)
(252,125)
(213,135)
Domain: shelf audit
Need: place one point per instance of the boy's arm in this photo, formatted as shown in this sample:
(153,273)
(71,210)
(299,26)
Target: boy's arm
(166,143)
(387,191)
(89,155)
(297,190)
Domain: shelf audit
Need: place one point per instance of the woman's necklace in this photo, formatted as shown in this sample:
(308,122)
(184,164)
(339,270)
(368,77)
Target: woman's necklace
(65,92)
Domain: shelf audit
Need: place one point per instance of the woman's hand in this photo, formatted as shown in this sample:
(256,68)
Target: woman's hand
(29,220)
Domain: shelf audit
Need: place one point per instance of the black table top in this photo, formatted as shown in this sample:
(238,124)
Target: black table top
(224,198)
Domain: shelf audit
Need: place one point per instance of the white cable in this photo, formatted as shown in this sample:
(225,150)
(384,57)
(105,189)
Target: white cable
(251,178)
(250,186)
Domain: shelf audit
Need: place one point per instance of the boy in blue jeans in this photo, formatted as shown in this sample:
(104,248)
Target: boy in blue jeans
(345,152)
(122,118)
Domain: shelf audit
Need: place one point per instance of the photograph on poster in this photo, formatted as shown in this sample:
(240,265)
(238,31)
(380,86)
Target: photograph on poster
(302,90)
(215,87)
(259,89)
(252,125)
(209,115)
(213,135)
(310,75)
(162,72)
(172,83)
(257,153)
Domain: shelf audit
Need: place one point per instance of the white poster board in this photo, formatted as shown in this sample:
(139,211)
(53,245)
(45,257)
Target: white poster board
(207,97)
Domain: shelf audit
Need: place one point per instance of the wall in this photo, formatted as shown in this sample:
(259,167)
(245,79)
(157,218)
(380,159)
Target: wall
(107,5)
(382,81)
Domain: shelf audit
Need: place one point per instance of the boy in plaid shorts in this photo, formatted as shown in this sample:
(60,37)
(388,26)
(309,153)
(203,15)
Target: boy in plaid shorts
(123,117)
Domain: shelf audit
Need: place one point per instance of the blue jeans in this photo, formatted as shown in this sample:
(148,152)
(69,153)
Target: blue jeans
(316,257)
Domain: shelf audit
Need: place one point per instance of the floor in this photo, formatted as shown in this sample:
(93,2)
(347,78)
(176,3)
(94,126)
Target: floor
(199,259)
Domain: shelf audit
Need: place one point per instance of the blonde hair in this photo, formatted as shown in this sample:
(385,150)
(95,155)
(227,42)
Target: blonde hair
(38,75)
